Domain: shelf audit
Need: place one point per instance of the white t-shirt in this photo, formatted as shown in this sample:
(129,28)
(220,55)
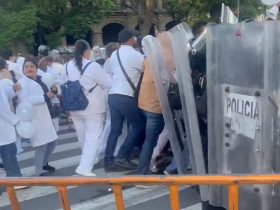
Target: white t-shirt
(132,62)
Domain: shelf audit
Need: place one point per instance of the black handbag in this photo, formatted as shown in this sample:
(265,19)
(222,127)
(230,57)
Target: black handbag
(173,95)
(54,110)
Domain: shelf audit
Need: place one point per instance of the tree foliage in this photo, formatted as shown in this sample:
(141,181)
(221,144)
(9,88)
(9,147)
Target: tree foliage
(181,9)
(17,25)
(200,9)
(20,19)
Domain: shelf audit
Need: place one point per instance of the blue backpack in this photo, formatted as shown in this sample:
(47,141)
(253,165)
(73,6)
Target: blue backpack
(73,97)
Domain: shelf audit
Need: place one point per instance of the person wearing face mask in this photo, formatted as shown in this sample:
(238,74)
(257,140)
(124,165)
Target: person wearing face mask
(45,138)
(89,123)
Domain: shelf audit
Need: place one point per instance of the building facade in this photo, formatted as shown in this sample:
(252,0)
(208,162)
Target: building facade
(124,16)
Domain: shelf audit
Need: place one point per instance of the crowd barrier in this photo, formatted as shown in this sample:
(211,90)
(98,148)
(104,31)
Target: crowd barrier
(173,182)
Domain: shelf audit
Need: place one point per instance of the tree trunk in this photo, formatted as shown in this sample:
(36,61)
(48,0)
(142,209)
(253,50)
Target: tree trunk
(147,15)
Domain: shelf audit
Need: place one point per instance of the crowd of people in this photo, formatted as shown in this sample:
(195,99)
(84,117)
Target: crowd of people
(123,110)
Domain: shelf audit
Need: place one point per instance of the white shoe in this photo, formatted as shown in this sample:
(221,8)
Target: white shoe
(83,173)
(20,187)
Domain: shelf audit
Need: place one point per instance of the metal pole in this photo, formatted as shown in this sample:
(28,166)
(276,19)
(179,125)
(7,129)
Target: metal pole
(238,8)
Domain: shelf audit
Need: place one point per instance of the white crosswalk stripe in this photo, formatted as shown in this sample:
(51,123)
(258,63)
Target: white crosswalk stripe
(133,196)
(58,149)
(36,192)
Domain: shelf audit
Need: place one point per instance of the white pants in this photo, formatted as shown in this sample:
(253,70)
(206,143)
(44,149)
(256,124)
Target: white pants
(105,135)
(56,123)
(89,129)
(18,144)
(162,141)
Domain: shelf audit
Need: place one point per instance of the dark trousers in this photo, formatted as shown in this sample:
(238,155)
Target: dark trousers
(8,154)
(154,127)
(121,108)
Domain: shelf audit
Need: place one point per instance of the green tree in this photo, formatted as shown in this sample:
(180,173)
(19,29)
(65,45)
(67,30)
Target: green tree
(17,25)
(183,9)
(194,10)
(247,8)
(20,19)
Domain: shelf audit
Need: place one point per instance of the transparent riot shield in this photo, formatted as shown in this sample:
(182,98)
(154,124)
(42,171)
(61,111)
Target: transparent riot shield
(169,59)
(181,35)
(243,108)
(227,16)
(161,59)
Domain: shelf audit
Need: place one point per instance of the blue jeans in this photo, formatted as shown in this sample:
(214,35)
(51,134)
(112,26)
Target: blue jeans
(154,127)
(8,154)
(121,108)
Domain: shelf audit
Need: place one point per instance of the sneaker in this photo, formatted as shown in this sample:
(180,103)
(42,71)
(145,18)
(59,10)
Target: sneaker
(20,187)
(49,168)
(125,164)
(113,168)
(83,173)
(154,169)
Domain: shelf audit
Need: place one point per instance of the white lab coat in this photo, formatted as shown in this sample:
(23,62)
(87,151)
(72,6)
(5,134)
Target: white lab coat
(89,123)
(32,92)
(93,75)
(8,119)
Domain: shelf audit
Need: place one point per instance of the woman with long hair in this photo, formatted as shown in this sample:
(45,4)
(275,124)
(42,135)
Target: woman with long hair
(89,123)
(44,141)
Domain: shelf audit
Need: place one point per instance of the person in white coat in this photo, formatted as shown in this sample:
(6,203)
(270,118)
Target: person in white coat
(46,136)
(10,58)
(89,123)
(15,71)
(8,120)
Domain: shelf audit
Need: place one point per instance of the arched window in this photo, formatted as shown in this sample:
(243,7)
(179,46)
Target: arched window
(110,32)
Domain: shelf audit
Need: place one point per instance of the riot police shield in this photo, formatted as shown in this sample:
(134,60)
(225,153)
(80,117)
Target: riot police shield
(227,16)
(181,35)
(160,55)
(243,108)
(168,55)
